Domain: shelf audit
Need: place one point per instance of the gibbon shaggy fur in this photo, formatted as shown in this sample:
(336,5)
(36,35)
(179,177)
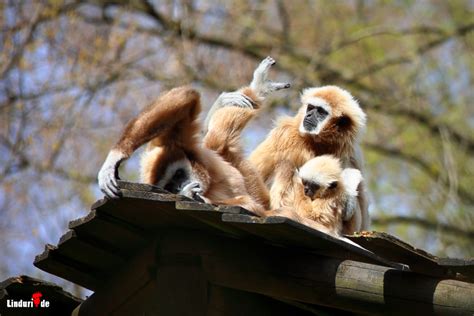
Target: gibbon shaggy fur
(328,122)
(320,194)
(175,158)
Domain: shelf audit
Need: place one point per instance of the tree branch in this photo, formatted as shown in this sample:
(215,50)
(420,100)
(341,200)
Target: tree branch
(430,123)
(424,166)
(460,31)
(32,27)
(423,223)
(421,29)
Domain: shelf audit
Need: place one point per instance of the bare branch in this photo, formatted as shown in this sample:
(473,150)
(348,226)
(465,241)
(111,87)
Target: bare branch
(429,122)
(458,32)
(37,21)
(423,223)
(285,22)
(417,30)
(424,166)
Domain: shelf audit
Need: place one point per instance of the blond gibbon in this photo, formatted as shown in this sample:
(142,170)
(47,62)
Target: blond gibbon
(320,194)
(175,158)
(328,122)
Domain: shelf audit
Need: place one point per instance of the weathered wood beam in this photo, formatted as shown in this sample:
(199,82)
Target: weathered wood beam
(312,279)
(419,260)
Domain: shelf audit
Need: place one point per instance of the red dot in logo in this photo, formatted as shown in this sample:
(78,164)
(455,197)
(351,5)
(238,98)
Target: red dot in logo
(36,298)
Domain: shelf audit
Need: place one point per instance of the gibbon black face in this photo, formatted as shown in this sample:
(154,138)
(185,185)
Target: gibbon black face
(310,188)
(317,113)
(314,189)
(178,181)
(314,116)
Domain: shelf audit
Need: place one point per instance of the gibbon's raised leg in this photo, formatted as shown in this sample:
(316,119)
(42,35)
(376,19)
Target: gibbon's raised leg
(249,97)
(223,137)
(228,117)
(171,117)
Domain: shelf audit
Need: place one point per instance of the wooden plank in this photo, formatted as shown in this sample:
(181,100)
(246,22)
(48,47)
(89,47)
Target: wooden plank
(286,232)
(141,189)
(133,186)
(115,235)
(147,211)
(125,284)
(394,249)
(75,272)
(211,216)
(91,254)
(464,267)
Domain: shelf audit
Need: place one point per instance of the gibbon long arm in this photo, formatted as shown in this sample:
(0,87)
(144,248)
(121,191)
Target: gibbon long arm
(159,122)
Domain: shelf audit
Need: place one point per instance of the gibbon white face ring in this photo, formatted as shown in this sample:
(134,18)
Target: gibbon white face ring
(318,113)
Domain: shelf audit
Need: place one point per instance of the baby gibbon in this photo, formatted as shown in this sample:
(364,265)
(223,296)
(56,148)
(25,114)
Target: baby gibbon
(328,122)
(175,158)
(320,194)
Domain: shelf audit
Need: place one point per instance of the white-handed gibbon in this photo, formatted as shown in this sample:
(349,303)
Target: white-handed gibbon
(320,194)
(175,158)
(328,122)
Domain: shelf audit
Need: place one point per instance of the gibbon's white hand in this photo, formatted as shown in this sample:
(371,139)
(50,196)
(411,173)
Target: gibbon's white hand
(108,175)
(351,178)
(194,191)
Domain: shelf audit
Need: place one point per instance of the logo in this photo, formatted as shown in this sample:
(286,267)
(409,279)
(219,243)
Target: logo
(36,297)
(35,302)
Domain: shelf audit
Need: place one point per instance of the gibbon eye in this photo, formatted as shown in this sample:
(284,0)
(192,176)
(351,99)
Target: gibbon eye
(179,173)
(332,185)
(322,111)
(310,107)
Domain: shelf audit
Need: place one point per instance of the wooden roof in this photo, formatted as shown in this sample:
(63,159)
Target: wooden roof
(101,243)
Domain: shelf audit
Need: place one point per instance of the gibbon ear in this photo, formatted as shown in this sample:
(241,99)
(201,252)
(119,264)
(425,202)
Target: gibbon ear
(344,122)
(332,185)
(351,178)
